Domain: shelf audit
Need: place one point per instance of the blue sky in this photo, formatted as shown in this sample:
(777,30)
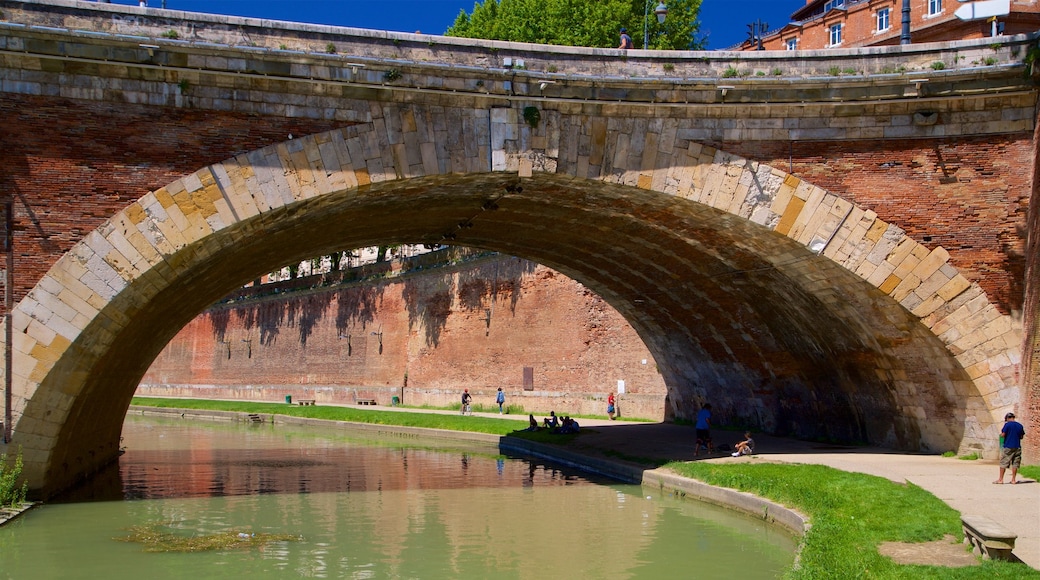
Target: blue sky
(725,21)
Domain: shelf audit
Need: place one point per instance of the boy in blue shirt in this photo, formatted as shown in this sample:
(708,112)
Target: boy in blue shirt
(1011,453)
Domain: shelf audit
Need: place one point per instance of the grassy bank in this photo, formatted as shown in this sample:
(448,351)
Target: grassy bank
(425,420)
(851,513)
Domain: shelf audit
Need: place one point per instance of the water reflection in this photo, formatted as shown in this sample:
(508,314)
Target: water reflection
(378,511)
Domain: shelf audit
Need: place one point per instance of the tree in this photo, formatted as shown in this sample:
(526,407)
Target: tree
(581,22)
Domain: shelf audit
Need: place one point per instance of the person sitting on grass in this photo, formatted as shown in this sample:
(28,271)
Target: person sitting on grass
(745,447)
(551,422)
(533,423)
(569,426)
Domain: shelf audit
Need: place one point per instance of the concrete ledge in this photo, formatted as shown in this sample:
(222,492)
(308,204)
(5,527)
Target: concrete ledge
(8,514)
(398,431)
(741,501)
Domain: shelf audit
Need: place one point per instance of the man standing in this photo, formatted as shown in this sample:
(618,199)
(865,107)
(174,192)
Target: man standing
(500,398)
(1011,452)
(626,40)
(703,430)
(466,400)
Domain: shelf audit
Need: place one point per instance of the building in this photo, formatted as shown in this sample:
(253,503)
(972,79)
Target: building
(824,24)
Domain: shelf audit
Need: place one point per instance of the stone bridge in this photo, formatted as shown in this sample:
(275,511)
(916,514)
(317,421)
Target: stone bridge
(828,245)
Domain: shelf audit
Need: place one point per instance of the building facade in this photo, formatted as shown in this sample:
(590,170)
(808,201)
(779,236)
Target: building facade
(823,24)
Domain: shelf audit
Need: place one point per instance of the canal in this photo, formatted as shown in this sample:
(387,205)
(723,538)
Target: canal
(349,505)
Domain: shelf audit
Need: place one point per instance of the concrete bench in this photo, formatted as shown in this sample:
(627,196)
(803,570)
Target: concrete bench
(988,538)
(305,402)
(366,401)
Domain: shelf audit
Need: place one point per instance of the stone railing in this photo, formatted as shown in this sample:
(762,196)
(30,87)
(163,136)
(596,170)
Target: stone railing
(283,49)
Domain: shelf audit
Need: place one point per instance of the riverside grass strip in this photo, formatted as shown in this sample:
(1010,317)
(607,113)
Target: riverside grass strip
(850,515)
(452,422)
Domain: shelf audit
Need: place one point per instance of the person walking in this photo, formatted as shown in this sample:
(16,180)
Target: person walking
(466,400)
(1011,448)
(702,429)
(610,406)
(626,40)
(500,398)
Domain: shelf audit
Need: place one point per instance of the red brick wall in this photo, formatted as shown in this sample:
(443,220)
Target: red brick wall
(968,195)
(859,26)
(69,164)
(423,338)
(1028,413)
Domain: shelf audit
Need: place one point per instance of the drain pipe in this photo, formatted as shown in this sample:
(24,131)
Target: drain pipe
(8,306)
(904,38)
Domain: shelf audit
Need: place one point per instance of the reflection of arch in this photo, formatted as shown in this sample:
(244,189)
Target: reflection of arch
(789,308)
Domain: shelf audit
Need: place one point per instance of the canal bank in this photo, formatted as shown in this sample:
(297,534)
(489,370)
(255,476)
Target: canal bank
(624,448)
(753,506)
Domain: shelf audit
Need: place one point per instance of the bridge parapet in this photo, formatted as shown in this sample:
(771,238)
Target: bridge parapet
(61,48)
(338,53)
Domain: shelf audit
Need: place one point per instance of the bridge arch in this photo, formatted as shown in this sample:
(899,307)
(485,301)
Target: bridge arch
(785,306)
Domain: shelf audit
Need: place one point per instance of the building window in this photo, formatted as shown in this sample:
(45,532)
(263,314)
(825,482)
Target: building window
(792,44)
(883,21)
(934,7)
(835,34)
(831,4)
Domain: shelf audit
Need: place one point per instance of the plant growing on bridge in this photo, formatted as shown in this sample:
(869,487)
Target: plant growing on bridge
(391,75)
(171,34)
(330,48)
(11,495)
(532,115)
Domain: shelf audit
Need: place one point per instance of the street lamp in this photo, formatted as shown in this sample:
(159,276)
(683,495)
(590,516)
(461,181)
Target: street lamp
(661,11)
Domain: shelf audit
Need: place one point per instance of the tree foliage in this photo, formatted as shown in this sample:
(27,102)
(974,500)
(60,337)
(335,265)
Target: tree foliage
(581,22)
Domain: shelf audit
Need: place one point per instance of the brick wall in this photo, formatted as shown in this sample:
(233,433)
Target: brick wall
(69,164)
(1029,412)
(970,196)
(423,338)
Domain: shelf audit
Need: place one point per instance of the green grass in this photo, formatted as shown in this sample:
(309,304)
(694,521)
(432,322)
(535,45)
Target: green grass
(11,494)
(1030,471)
(519,410)
(851,513)
(425,420)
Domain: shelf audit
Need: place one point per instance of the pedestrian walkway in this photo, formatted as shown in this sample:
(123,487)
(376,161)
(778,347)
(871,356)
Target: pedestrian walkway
(966,486)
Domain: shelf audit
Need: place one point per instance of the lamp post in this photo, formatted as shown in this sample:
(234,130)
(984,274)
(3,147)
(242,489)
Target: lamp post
(661,11)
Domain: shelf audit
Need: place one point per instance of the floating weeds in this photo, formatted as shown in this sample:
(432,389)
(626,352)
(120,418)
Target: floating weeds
(155,539)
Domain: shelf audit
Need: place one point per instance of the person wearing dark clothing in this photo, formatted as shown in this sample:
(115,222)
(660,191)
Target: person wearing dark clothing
(626,40)
(1011,451)
(702,430)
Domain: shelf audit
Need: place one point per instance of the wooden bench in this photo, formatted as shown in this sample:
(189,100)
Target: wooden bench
(366,401)
(303,402)
(988,538)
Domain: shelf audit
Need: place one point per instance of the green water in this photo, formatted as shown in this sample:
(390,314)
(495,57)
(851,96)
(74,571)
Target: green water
(364,509)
